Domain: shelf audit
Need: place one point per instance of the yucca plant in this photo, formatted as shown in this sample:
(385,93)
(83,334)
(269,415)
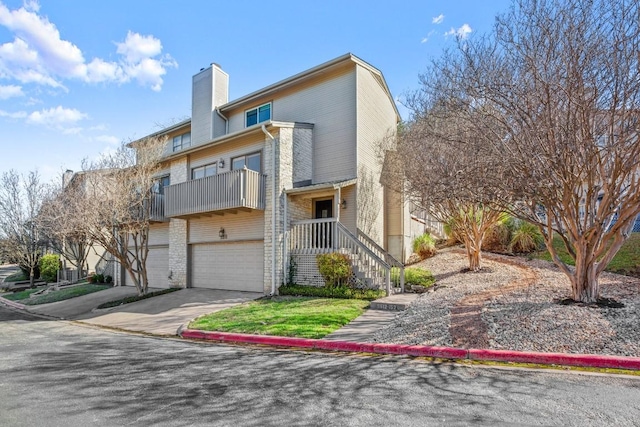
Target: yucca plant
(424,245)
(526,238)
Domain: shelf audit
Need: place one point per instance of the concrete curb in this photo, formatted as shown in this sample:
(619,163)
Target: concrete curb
(13,304)
(564,359)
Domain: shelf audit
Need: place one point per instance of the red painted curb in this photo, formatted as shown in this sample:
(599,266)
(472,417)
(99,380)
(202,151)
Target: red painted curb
(12,303)
(378,348)
(584,360)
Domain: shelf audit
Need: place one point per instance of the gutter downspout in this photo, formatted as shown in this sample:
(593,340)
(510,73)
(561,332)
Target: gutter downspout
(273,213)
(226,121)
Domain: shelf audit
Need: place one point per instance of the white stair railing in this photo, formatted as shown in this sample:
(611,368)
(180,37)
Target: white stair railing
(328,235)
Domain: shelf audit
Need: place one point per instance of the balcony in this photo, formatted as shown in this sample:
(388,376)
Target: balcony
(225,192)
(156,211)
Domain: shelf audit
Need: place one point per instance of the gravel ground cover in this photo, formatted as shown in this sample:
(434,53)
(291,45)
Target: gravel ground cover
(518,308)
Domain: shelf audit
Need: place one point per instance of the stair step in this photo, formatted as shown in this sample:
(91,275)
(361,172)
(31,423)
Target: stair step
(399,302)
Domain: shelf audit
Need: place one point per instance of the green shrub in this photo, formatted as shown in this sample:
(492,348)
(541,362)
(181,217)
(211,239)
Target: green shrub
(498,238)
(49,267)
(331,292)
(425,246)
(108,279)
(526,238)
(99,278)
(335,268)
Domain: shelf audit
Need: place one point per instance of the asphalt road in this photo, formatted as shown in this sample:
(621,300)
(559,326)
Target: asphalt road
(55,373)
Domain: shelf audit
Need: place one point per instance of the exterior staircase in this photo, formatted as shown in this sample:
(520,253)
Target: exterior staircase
(372,266)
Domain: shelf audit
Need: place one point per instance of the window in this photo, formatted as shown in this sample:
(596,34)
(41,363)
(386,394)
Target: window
(204,171)
(251,161)
(258,115)
(160,183)
(181,141)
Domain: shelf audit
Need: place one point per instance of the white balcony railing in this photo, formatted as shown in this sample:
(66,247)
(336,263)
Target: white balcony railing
(230,190)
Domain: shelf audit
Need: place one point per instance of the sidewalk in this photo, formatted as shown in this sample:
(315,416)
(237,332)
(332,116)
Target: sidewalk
(161,315)
(167,315)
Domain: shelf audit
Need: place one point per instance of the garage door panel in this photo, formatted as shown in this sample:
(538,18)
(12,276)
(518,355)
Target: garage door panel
(157,268)
(233,266)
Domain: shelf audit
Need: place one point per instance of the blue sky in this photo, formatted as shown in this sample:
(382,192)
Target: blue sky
(79,77)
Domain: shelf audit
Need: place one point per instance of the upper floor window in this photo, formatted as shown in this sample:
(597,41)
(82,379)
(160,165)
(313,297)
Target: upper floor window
(181,141)
(160,183)
(251,161)
(204,171)
(258,115)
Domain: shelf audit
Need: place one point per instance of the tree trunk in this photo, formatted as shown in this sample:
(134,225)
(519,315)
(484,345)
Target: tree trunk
(475,258)
(32,277)
(584,281)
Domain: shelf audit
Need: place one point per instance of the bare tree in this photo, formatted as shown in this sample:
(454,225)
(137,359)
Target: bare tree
(444,174)
(116,204)
(368,202)
(62,225)
(20,200)
(562,81)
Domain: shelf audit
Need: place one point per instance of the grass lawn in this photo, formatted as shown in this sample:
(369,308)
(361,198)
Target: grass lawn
(301,317)
(54,296)
(16,277)
(626,261)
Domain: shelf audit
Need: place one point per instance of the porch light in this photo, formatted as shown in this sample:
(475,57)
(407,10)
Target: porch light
(221,163)
(343,204)
(222,233)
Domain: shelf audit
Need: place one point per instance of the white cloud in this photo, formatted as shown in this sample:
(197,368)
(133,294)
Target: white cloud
(56,117)
(10,91)
(438,19)
(426,39)
(108,139)
(136,47)
(462,32)
(16,115)
(38,54)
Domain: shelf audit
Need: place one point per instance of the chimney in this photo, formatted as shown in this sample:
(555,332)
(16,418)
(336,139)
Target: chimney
(66,177)
(210,89)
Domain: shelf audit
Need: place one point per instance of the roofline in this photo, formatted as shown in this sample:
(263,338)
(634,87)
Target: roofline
(308,74)
(257,128)
(332,185)
(162,131)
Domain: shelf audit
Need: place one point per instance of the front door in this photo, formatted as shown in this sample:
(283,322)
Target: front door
(323,230)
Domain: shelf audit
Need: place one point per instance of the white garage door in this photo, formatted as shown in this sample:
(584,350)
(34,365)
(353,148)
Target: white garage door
(157,268)
(233,266)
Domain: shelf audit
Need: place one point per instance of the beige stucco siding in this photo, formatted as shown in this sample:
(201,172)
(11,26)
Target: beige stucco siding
(240,226)
(227,152)
(328,102)
(159,234)
(376,117)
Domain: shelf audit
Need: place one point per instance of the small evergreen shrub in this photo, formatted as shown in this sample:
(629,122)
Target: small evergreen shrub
(331,292)
(108,279)
(49,267)
(424,245)
(498,237)
(526,238)
(418,276)
(334,267)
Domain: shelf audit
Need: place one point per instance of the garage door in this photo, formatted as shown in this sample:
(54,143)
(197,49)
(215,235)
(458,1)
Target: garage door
(157,268)
(234,266)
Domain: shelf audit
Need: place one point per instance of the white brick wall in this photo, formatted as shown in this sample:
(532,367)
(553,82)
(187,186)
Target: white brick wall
(302,154)
(178,253)
(178,233)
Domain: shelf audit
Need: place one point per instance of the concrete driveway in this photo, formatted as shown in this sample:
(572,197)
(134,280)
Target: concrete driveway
(7,270)
(161,315)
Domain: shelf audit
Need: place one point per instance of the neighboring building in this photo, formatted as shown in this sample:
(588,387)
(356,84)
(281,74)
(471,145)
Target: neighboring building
(276,176)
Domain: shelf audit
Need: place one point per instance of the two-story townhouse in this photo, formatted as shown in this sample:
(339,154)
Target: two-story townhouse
(252,189)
